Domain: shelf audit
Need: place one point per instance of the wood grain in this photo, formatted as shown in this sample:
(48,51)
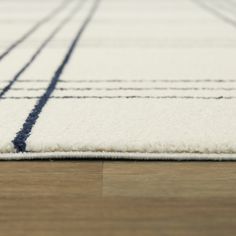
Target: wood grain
(117,198)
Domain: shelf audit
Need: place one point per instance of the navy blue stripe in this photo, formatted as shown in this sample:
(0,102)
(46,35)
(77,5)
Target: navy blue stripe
(34,28)
(129,81)
(39,50)
(128,89)
(21,137)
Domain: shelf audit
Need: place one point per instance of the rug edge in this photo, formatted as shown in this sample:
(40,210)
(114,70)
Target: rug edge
(118,155)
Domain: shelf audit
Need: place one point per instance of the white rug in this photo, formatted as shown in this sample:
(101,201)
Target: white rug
(135,79)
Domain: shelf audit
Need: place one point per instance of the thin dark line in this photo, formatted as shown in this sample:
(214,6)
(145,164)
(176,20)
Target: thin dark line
(104,46)
(149,81)
(34,28)
(215,12)
(113,97)
(126,89)
(40,49)
(129,81)
(21,137)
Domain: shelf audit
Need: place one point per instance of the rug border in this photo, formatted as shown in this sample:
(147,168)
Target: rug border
(117,155)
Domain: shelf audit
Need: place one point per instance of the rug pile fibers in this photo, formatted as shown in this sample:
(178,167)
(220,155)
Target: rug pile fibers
(134,79)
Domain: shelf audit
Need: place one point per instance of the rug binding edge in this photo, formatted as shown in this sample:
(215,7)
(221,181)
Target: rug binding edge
(117,155)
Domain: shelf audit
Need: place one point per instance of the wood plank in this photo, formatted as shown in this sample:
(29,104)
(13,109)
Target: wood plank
(117,198)
(170,179)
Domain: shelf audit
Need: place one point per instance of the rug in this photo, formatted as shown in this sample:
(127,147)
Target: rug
(127,79)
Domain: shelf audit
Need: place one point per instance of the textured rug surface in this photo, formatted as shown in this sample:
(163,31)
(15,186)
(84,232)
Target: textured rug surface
(138,79)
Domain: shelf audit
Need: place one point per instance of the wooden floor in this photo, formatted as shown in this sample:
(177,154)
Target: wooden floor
(117,198)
